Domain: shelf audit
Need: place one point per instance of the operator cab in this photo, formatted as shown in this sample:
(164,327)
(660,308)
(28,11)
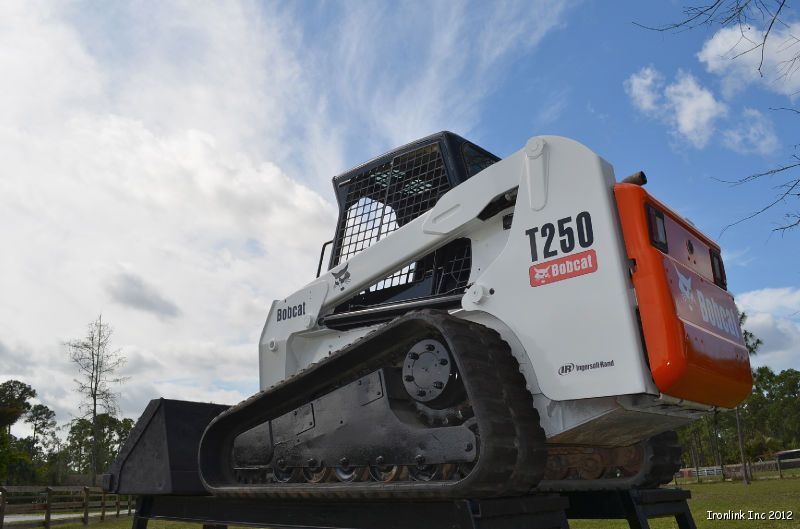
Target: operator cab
(384,194)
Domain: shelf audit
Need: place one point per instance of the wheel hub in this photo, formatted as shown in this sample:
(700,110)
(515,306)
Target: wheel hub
(426,370)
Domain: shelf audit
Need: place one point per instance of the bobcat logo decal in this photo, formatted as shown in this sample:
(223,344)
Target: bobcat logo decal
(685,285)
(341,277)
(541,273)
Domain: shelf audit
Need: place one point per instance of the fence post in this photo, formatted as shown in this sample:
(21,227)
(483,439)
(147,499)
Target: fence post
(2,505)
(85,505)
(117,503)
(780,470)
(129,506)
(103,506)
(48,504)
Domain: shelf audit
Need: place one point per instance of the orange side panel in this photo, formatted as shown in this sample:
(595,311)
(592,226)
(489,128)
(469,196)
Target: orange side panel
(690,325)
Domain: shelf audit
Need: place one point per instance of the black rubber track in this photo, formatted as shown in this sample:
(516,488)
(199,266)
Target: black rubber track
(511,452)
(661,459)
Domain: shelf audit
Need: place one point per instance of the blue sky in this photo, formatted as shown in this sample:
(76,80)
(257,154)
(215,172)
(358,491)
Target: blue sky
(169,164)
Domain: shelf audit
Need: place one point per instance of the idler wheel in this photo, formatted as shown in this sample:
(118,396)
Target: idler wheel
(385,472)
(287,475)
(348,474)
(427,369)
(318,474)
(425,472)
(590,466)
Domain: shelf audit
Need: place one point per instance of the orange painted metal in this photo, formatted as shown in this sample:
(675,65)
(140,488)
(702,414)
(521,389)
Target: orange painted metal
(691,326)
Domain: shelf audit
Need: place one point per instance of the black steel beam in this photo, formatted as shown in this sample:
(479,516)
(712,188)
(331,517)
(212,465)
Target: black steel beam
(531,512)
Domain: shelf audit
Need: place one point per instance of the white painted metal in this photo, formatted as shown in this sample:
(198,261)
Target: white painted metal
(577,321)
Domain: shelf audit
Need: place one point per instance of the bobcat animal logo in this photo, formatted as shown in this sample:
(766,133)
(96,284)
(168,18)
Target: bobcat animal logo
(541,273)
(341,277)
(685,286)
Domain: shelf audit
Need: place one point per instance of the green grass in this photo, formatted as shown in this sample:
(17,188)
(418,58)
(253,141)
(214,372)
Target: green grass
(760,496)
(125,522)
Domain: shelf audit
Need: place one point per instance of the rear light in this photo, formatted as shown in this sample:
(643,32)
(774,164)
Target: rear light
(719,270)
(658,229)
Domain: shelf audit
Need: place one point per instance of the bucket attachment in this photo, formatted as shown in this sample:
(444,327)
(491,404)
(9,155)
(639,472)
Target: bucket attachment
(160,455)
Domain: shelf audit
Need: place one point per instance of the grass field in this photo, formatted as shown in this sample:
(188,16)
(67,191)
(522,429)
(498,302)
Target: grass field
(760,496)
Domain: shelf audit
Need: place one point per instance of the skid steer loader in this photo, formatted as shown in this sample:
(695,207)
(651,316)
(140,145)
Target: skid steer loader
(485,328)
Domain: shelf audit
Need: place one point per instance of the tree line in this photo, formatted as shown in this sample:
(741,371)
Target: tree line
(86,445)
(770,419)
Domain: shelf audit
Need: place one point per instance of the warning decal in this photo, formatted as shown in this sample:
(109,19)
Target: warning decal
(563,268)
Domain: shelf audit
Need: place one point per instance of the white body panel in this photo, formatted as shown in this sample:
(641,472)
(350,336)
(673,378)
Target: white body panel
(578,321)
(575,322)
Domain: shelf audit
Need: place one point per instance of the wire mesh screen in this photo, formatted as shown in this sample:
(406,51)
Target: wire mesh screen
(384,198)
(454,264)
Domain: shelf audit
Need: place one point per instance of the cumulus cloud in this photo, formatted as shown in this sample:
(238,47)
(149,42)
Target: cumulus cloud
(726,54)
(693,113)
(693,109)
(783,302)
(169,158)
(773,315)
(754,134)
(686,107)
(644,88)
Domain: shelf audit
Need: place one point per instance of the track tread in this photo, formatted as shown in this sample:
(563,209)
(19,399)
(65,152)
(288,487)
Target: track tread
(512,451)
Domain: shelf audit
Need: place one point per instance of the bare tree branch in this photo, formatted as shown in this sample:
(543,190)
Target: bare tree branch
(97,366)
(786,108)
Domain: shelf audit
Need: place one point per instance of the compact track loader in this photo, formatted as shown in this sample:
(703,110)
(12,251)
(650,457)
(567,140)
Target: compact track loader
(485,328)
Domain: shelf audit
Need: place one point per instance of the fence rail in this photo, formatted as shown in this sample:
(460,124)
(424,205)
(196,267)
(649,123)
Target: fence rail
(778,466)
(83,502)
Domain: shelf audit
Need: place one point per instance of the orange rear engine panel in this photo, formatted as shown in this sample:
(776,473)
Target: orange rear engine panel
(690,324)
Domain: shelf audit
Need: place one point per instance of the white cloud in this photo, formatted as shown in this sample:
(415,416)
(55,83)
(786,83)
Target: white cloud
(724,55)
(644,88)
(687,108)
(754,134)
(773,315)
(159,164)
(693,109)
(457,56)
(784,302)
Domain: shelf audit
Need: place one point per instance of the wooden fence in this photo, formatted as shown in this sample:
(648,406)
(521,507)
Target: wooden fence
(778,466)
(82,502)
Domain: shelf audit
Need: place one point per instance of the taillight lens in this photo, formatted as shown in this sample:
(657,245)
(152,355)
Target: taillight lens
(719,270)
(658,229)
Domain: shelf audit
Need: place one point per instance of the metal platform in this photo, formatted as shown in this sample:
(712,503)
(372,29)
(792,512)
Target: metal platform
(530,512)
(635,506)
(540,511)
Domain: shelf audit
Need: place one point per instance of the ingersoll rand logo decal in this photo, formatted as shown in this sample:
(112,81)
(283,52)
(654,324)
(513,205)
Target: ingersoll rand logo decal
(567,369)
(571,235)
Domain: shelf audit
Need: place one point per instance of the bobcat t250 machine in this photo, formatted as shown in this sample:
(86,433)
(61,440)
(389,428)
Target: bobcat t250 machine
(485,328)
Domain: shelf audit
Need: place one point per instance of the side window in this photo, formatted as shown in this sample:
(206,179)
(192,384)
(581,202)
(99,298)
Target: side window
(368,221)
(475,159)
